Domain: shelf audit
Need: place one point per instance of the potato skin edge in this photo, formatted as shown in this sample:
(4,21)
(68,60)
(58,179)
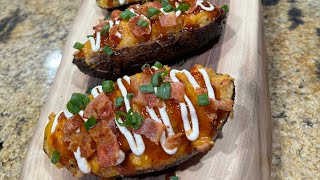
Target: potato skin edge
(127,61)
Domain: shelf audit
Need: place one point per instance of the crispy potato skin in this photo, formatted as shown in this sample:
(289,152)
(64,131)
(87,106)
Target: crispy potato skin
(114,4)
(168,50)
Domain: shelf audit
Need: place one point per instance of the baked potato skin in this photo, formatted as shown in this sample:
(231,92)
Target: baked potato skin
(168,50)
(114,4)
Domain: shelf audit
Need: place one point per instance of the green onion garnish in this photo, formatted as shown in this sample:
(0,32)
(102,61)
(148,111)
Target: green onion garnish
(145,66)
(203,100)
(89,36)
(164,74)
(156,79)
(168,8)
(146,88)
(55,157)
(78,45)
(107,86)
(152,12)
(88,91)
(77,102)
(163,91)
(133,119)
(158,65)
(105,29)
(119,102)
(107,50)
(127,14)
(225,8)
(142,23)
(90,123)
(106,17)
(174,178)
(183,7)
(130,96)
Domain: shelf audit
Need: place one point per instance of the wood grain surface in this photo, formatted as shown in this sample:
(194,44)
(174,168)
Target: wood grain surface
(243,149)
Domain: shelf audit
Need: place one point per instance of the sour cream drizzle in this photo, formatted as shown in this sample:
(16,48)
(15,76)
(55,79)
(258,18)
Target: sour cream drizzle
(208,83)
(96,91)
(82,162)
(95,45)
(56,118)
(200,3)
(135,141)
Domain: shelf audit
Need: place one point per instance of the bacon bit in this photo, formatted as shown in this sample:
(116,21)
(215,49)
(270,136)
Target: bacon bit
(71,125)
(107,144)
(205,146)
(174,141)
(98,27)
(177,91)
(115,15)
(193,5)
(153,100)
(84,141)
(137,30)
(134,84)
(114,35)
(140,99)
(100,107)
(151,129)
(144,8)
(224,104)
(168,20)
(201,91)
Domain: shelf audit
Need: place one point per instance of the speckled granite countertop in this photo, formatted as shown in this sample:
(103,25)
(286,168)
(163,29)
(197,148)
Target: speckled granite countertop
(32,34)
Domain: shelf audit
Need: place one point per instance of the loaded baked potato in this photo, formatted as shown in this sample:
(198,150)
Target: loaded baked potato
(155,31)
(144,123)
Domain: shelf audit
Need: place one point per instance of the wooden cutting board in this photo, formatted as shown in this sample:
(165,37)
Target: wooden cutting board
(243,150)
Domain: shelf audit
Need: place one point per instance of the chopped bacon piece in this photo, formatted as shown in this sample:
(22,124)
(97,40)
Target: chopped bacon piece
(144,8)
(173,141)
(115,15)
(98,27)
(115,35)
(151,129)
(168,20)
(107,144)
(153,100)
(84,141)
(201,91)
(71,125)
(101,107)
(224,104)
(140,99)
(138,30)
(177,91)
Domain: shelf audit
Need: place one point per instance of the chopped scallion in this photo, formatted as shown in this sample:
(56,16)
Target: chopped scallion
(127,14)
(55,157)
(158,65)
(133,119)
(130,96)
(183,7)
(152,12)
(168,8)
(77,102)
(146,88)
(164,91)
(108,50)
(156,79)
(174,178)
(78,45)
(106,17)
(119,101)
(142,23)
(203,100)
(90,123)
(107,86)
(145,66)
(105,29)
(225,8)
(89,36)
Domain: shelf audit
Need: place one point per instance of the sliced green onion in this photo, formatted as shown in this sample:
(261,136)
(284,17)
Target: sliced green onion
(174,178)
(146,88)
(142,23)
(225,8)
(145,66)
(168,8)
(89,36)
(119,102)
(127,14)
(158,65)
(164,74)
(203,100)
(152,12)
(133,119)
(105,29)
(107,50)
(77,102)
(107,86)
(88,91)
(55,157)
(163,91)
(106,17)
(90,123)
(183,7)
(156,79)
(130,96)
(78,45)
(164,2)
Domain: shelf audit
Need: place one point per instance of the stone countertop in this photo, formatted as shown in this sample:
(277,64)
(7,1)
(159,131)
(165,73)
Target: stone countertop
(32,34)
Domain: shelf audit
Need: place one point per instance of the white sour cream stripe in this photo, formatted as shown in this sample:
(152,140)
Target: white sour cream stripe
(135,141)
(96,91)
(208,83)
(82,162)
(95,45)
(200,3)
(66,113)
(122,2)
(192,134)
